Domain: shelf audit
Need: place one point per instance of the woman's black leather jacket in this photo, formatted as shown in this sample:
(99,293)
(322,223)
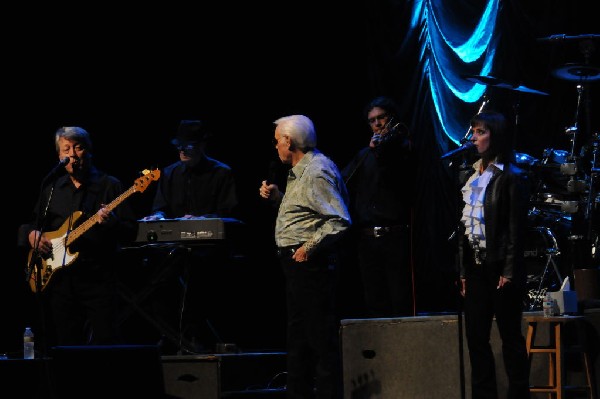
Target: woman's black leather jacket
(505,213)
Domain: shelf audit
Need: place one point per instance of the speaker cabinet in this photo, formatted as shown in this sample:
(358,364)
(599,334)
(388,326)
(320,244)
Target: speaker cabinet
(192,377)
(417,357)
(412,357)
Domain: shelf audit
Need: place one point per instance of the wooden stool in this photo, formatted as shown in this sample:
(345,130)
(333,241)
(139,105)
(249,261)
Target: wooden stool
(556,350)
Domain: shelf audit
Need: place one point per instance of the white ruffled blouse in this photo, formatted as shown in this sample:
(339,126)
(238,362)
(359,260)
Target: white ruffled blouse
(473,193)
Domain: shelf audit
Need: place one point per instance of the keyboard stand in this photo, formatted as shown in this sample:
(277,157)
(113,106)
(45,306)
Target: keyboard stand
(178,255)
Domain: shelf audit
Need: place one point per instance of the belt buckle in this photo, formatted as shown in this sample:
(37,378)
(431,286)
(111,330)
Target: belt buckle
(285,251)
(378,231)
(479,256)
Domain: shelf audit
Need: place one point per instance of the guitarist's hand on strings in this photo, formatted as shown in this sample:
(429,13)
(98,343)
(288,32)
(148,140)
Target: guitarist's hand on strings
(44,246)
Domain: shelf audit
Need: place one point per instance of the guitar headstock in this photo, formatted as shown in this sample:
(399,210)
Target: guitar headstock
(148,177)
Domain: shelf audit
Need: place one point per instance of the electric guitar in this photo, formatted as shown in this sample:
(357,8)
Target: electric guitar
(61,239)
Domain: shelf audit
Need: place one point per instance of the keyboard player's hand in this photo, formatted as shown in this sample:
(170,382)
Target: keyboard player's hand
(155,216)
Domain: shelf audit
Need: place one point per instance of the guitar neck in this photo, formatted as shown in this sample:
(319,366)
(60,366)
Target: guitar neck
(85,226)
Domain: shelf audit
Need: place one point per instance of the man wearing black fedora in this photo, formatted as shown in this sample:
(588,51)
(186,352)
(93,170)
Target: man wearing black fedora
(196,186)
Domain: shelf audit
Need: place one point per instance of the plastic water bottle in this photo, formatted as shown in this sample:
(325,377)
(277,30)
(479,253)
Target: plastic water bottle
(548,305)
(28,344)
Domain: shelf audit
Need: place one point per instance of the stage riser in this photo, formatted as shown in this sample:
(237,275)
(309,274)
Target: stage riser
(112,372)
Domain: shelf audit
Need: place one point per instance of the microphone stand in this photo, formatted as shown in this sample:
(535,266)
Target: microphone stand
(39,223)
(458,169)
(35,261)
(467,135)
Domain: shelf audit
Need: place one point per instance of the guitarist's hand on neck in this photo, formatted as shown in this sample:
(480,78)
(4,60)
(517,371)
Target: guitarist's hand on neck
(104,214)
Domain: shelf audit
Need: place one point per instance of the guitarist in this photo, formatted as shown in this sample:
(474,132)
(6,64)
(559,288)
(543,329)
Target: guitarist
(81,297)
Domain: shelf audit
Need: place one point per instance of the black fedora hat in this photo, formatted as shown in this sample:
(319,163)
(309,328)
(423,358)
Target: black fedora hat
(190,131)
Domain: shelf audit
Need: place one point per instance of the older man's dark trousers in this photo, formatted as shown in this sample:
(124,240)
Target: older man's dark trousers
(312,327)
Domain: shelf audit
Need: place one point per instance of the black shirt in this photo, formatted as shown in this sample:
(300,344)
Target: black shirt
(97,188)
(206,189)
(379,182)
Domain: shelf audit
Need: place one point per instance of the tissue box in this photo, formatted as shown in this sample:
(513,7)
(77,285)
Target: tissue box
(566,301)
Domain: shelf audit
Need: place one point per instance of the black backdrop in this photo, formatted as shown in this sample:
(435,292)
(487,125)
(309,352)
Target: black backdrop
(129,76)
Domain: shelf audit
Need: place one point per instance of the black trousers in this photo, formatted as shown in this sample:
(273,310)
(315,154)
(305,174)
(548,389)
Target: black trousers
(83,305)
(483,301)
(386,274)
(313,361)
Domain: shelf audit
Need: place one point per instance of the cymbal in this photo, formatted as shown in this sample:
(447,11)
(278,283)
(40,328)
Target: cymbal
(561,37)
(577,73)
(525,159)
(495,82)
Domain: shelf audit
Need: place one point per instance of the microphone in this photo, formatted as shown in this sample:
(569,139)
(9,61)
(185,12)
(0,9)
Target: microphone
(466,147)
(273,172)
(56,170)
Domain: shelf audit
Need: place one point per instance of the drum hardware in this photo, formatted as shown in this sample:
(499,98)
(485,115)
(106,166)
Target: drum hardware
(491,81)
(568,169)
(576,186)
(577,73)
(551,251)
(551,203)
(468,134)
(556,156)
(538,294)
(583,74)
(562,37)
(572,130)
(525,159)
(594,172)
(502,84)
(569,206)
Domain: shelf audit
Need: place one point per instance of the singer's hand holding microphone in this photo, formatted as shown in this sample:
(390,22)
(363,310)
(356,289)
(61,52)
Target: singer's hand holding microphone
(269,191)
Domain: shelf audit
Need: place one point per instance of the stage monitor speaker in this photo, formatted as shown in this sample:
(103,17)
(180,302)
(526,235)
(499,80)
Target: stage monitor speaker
(417,357)
(115,371)
(192,376)
(412,357)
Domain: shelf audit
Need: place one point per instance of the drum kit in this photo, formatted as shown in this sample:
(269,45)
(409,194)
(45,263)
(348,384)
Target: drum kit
(564,211)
